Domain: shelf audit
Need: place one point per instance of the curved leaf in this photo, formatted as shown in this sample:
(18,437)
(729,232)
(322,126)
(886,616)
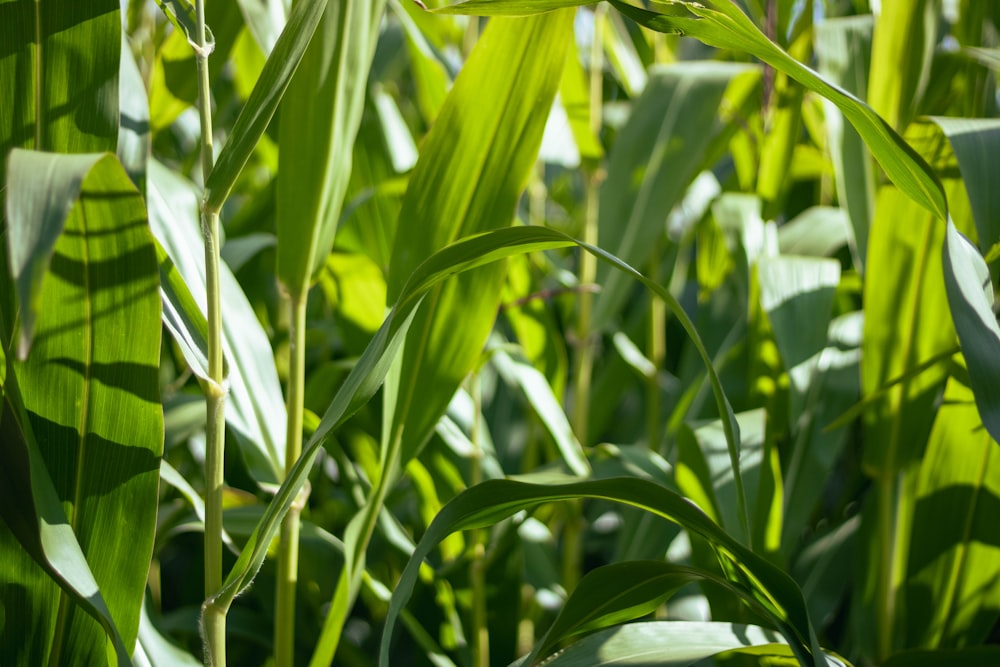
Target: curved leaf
(724,25)
(493,500)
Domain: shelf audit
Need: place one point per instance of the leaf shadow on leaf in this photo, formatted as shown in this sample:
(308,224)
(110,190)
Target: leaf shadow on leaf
(949,534)
(137,379)
(129,461)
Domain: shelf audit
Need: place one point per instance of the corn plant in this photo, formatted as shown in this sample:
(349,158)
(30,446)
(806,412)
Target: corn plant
(556,332)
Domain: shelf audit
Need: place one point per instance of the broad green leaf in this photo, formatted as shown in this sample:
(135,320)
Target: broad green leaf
(967,277)
(42,190)
(953,583)
(486,503)
(267,93)
(907,326)
(255,409)
(656,156)
(61,91)
(318,126)
(473,165)
(797,294)
(84,408)
(843,49)
(660,644)
(902,48)
(974,142)
(724,25)
(970,295)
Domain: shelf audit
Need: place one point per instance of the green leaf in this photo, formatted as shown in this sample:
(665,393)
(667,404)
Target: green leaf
(491,501)
(255,409)
(660,644)
(724,25)
(267,93)
(509,7)
(84,408)
(612,595)
(970,295)
(543,400)
(656,156)
(318,125)
(972,656)
(843,49)
(42,190)
(902,48)
(369,372)
(953,582)
(60,67)
(473,165)
(797,294)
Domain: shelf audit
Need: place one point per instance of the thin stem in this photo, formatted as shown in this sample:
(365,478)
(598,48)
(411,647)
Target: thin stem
(288,554)
(214,619)
(657,352)
(477,568)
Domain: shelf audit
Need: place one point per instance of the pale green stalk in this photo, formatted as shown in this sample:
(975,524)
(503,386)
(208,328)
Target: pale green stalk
(288,553)
(657,352)
(584,366)
(214,619)
(477,568)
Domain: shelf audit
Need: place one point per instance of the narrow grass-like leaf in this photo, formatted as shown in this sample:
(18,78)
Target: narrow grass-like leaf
(491,501)
(267,93)
(84,407)
(255,409)
(723,24)
(318,126)
(369,372)
(541,397)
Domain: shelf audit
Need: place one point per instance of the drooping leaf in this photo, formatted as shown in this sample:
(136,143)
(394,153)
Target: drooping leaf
(369,372)
(487,503)
(84,408)
(255,409)
(724,25)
